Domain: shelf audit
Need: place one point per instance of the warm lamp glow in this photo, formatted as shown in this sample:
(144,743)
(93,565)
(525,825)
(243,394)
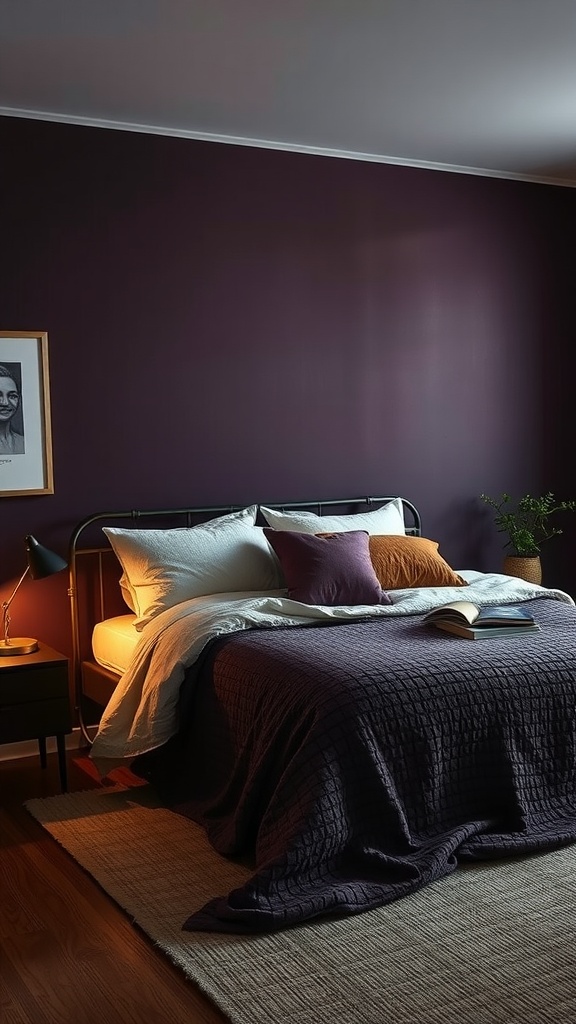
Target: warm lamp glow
(41,563)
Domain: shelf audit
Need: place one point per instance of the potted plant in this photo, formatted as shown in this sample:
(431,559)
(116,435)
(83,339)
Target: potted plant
(527,524)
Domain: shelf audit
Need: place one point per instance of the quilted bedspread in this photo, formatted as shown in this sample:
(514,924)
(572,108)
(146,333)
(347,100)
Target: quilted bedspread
(353,763)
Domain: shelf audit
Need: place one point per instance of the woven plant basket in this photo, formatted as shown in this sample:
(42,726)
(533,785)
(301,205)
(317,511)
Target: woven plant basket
(525,567)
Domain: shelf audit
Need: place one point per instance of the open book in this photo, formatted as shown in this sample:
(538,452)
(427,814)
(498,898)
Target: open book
(467,619)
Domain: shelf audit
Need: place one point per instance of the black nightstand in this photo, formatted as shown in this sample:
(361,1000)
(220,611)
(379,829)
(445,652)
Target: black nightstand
(35,702)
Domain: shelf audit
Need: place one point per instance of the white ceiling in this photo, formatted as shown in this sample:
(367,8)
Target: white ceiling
(487,86)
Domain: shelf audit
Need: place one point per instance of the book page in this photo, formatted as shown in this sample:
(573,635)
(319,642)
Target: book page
(457,610)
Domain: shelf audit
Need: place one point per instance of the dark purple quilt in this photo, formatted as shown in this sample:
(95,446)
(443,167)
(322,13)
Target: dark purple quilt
(351,764)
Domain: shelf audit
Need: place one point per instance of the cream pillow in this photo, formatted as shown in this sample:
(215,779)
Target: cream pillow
(389,519)
(161,568)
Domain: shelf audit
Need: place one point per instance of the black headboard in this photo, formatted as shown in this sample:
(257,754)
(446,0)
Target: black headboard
(94,571)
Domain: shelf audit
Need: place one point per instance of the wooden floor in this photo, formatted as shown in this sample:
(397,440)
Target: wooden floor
(69,955)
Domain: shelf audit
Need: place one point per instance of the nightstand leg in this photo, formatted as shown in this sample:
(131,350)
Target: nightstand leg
(42,749)
(61,745)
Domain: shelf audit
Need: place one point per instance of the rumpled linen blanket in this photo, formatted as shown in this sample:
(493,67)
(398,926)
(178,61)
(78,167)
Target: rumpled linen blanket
(143,711)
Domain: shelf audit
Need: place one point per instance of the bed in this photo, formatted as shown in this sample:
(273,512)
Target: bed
(268,670)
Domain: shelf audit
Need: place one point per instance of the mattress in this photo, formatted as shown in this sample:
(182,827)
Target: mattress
(114,641)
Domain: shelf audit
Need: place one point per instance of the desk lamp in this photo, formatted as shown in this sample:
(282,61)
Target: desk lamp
(41,563)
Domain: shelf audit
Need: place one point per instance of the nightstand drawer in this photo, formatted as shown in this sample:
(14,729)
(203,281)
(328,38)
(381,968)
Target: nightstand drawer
(40,718)
(35,684)
(35,701)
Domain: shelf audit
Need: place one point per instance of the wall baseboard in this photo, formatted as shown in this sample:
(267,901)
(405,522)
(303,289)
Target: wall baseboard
(29,748)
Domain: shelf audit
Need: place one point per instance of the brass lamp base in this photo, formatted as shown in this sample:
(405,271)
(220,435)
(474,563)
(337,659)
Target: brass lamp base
(19,645)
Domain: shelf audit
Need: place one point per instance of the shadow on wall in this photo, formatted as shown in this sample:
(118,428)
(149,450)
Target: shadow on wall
(478,547)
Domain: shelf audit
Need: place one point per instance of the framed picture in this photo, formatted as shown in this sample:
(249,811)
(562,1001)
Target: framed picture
(25,431)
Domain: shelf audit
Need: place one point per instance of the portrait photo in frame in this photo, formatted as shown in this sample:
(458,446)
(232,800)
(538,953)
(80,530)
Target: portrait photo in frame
(25,425)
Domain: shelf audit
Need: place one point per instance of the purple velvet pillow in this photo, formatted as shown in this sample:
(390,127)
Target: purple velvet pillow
(327,569)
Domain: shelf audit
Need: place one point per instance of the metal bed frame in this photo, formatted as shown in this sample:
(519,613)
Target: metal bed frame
(97,562)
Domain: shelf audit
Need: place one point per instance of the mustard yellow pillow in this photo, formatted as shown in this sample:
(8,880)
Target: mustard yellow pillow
(403,562)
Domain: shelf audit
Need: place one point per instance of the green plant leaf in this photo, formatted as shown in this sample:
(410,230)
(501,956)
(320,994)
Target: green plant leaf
(526,523)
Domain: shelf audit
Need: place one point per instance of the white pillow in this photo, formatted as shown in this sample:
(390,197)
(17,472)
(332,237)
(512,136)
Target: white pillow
(388,519)
(161,568)
(127,592)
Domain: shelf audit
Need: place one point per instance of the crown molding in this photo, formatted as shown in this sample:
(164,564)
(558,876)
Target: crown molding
(232,140)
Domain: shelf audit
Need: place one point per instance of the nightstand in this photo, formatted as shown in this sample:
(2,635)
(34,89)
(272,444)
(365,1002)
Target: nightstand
(35,702)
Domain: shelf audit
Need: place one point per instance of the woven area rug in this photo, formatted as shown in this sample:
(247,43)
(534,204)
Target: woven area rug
(491,944)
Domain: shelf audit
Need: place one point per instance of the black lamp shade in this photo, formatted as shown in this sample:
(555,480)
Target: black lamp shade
(41,561)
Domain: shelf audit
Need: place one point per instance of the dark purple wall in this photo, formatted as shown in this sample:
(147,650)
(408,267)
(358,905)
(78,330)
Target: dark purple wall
(234,324)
